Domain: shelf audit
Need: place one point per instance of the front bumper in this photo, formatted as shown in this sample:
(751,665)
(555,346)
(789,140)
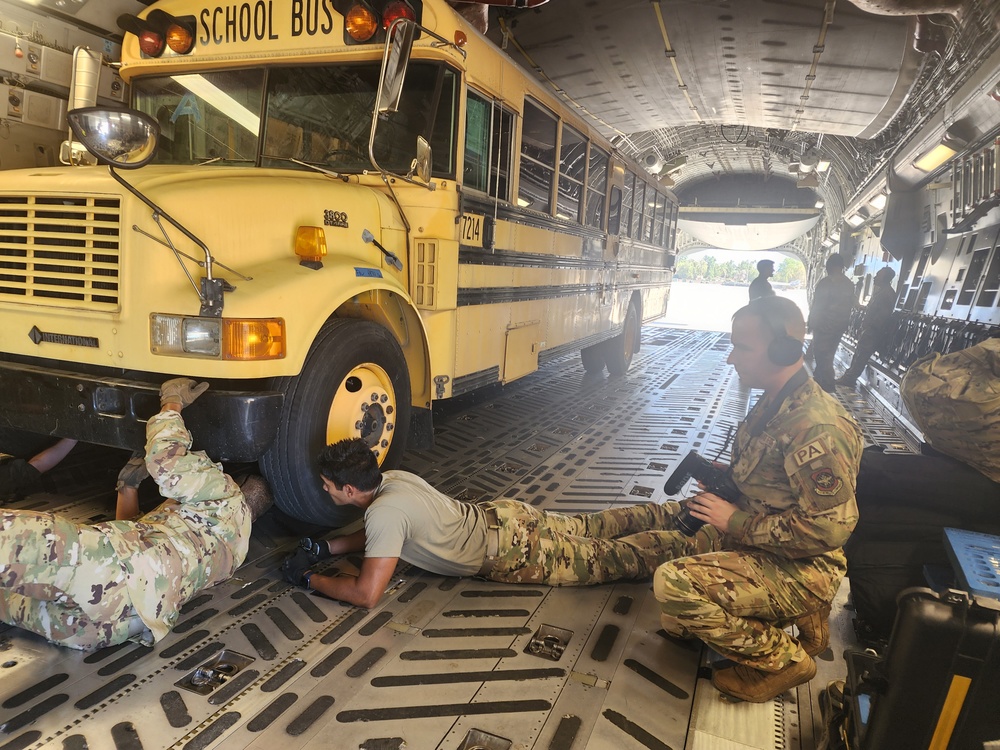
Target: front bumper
(228,425)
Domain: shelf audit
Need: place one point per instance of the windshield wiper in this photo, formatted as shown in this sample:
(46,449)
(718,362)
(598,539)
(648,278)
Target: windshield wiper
(215,159)
(309,165)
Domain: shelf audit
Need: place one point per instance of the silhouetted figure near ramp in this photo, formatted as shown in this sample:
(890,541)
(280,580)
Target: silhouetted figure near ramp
(829,316)
(760,287)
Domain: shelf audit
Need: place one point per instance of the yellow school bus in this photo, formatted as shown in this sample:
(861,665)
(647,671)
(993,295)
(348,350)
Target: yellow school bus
(342,212)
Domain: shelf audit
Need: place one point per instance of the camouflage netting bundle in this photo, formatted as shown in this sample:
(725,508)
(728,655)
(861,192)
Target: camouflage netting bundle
(955,401)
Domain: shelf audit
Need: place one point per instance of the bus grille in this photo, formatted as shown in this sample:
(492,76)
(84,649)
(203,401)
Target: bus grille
(61,251)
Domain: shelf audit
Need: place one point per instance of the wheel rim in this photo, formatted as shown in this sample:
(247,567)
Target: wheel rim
(364,406)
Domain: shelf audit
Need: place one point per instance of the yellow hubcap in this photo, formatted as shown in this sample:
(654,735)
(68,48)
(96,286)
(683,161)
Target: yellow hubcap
(364,406)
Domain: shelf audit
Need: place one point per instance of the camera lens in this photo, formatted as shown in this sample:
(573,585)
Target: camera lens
(686,523)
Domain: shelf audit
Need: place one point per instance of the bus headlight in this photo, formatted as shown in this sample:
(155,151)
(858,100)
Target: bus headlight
(217,338)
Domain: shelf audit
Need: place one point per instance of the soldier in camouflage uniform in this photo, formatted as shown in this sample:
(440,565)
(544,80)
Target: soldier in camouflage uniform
(93,586)
(503,540)
(777,554)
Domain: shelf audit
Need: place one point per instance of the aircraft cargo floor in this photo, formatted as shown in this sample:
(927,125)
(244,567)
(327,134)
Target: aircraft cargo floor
(440,663)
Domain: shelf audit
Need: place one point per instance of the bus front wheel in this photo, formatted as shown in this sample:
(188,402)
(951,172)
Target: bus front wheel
(354,384)
(618,351)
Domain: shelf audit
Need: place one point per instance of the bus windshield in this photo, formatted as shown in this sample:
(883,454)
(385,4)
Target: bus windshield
(320,115)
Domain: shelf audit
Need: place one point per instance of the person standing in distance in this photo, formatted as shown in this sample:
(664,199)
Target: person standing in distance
(875,329)
(829,316)
(761,287)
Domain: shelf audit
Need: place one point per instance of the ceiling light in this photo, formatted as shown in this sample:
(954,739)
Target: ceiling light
(878,202)
(934,157)
(820,204)
(827,243)
(822,166)
(835,236)
(855,220)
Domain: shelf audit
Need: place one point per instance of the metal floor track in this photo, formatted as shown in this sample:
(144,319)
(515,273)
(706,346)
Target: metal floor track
(440,663)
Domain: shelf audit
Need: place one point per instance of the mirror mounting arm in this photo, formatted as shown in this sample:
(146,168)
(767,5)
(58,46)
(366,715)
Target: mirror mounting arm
(214,305)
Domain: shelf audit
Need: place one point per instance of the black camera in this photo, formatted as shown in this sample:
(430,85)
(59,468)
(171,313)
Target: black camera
(715,480)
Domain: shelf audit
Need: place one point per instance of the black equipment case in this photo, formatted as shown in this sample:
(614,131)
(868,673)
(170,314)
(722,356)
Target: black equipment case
(938,685)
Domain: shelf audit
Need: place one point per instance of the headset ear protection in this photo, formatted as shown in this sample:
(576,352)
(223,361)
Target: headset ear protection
(784,350)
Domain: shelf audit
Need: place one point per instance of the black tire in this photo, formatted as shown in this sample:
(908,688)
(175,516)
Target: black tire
(354,383)
(619,350)
(593,358)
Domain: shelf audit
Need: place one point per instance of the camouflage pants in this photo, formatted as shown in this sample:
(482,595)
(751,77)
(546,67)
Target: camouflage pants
(62,581)
(611,545)
(69,582)
(734,601)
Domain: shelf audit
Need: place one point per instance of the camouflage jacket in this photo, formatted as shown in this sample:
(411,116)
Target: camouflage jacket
(196,538)
(796,463)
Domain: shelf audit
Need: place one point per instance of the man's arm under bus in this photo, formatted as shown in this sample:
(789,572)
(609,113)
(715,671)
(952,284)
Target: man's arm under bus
(363,591)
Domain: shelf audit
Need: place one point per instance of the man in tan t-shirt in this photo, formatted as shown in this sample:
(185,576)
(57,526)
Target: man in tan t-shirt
(502,540)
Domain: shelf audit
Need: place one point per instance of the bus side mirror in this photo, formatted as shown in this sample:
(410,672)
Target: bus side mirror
(397,56)
(116,137)
(424,159)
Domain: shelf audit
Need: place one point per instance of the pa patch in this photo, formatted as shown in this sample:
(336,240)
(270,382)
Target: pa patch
(809,453)
(826,483)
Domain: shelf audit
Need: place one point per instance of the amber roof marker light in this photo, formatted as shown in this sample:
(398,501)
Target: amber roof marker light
(361,22)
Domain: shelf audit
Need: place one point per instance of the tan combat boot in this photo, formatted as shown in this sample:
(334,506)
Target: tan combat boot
(814,630)
(756,686)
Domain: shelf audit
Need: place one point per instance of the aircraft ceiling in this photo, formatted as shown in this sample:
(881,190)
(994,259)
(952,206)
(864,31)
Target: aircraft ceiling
(787,105)
(741,100)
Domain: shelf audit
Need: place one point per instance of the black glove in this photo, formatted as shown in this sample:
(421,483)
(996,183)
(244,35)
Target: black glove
(132,473)
(296,566)
(317,549)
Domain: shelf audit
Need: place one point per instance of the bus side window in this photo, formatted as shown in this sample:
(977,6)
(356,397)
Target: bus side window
(626,228)
(638,199)
(572,168)
(597,186)
(661,204)
(538,159)
(615,211)
(444,126)
(648,209)
(488,130)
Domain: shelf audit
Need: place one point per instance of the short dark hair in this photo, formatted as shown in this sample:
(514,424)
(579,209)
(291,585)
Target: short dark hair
(350,461)
(835,261)
(777,314)
(762,264)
